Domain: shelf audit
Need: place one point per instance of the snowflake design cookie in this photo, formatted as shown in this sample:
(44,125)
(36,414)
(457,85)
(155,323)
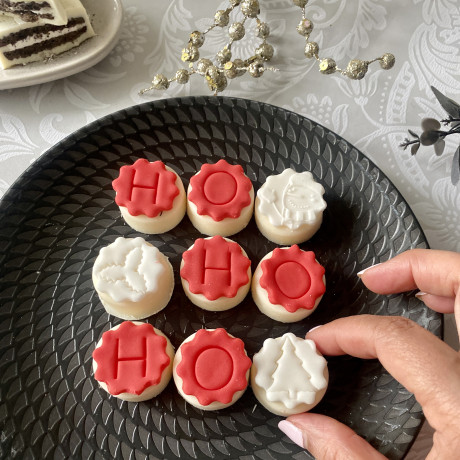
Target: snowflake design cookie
(289,375)
(134,279)
(289,207)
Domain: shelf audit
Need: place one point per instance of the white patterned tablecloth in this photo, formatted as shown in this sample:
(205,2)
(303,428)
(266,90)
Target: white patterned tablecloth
(374,114)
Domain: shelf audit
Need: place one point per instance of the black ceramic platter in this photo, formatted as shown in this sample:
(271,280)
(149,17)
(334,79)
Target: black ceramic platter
(61,211)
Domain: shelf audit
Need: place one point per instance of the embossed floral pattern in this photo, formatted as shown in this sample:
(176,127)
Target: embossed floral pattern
(441,216)
(321,111)
(132,39)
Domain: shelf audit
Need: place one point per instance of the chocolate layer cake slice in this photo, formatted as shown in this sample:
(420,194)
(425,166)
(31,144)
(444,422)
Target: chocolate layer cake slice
(29,42)
(39,11)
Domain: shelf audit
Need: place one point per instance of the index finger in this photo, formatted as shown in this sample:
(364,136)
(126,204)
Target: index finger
(421,362)
(431,271)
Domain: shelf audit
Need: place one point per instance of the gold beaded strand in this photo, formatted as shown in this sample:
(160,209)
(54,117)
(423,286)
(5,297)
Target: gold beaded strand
(218,71)
(356,68)
(223,67)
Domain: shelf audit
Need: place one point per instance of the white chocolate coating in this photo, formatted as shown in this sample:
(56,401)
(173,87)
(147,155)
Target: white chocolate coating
(289,376)
(289,207)
(216,405)
(166,220)
(153,390)
(222,303)
(134,279)
(226,227)
(275,311)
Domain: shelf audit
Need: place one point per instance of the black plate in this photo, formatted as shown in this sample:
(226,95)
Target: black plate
(57,216)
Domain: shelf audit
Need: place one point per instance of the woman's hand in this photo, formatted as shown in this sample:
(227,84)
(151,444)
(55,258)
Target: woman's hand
(421,362)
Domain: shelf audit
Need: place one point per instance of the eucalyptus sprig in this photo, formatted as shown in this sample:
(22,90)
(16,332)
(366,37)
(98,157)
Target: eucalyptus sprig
(432,134)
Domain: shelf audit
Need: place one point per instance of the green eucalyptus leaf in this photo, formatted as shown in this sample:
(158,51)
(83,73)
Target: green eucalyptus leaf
(439,147)
(450,106)
(429,137)
(430,124)
(414,149)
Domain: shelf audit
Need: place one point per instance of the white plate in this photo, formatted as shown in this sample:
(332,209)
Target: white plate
(105,16)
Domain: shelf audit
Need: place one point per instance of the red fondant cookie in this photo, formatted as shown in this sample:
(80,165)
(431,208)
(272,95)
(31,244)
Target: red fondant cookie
(211,369)
(151,196)
(133,361)
(215,273)
(288,284)
(220,199)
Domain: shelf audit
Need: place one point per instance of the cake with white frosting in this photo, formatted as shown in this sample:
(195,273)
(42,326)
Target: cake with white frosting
(39,11)
(25,42)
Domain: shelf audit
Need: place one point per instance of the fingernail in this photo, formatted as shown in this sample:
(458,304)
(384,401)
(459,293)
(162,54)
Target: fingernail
(292,432)
(313,328)
(420,294)
(359,274)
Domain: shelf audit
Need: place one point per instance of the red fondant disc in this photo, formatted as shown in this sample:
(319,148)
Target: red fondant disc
(131,358)
(145,188)
(220,190)
(213,366)
(286,273)
(215,268)
(216,376)
(293,278)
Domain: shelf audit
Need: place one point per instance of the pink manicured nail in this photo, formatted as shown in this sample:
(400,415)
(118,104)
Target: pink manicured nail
(420,294)
(359,274)
(316,327)
(292,432)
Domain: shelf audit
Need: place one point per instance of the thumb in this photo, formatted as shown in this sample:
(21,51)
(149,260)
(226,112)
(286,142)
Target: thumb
(326,438)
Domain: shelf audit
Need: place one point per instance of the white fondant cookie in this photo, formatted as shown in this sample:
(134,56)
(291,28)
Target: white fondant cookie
(289,375)
(289,207)
(134,279)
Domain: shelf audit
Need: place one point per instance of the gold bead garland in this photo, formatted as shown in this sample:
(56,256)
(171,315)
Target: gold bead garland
(217,72)
(356,68)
